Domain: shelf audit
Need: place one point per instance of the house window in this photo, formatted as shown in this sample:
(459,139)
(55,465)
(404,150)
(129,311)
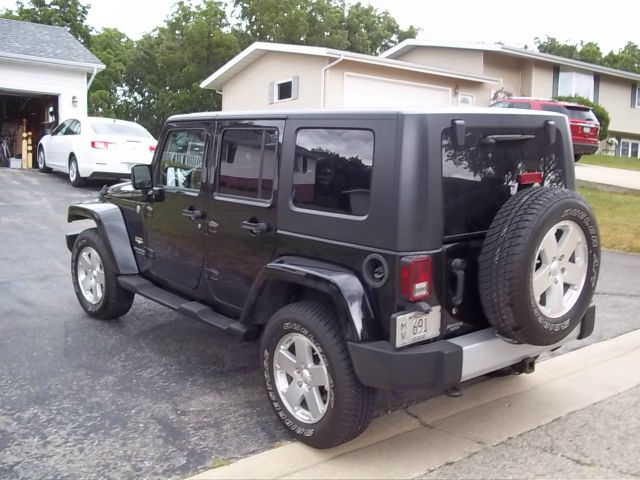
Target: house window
(629,148)
(575,83)
(284,90)
(637,92)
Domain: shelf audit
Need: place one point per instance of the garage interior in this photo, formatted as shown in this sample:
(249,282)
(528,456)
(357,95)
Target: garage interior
(21,113)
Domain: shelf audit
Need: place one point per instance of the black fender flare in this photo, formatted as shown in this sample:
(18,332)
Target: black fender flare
(112,228)
(341,285)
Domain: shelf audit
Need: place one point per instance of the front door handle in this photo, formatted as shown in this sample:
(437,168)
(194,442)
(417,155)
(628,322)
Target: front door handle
(255,227)
(192,214)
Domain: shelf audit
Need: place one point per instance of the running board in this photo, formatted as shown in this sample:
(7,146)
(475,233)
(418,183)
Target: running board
(192,309)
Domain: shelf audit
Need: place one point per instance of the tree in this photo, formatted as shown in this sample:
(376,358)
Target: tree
(326,23)
(598,110)
(552,46)
(627,58)
(164,70)
(113,48)
(70,14)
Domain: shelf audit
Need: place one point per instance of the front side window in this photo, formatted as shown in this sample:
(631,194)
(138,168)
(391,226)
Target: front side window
(248,160)
(182,159)
(333,170)
(73,128)
(60,129)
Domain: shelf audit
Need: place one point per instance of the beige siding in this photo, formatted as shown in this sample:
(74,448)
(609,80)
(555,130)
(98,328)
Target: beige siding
(504,68)
(452,59)
(542,80)
(335,81)
(249,90)
(615,96)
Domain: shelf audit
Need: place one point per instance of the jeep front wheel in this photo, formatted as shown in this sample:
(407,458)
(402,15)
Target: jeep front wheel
(309,377)
(95,282)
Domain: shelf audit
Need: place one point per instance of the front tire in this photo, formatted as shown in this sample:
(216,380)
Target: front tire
(42,163)
(74,173)
(95,282)
(309,376)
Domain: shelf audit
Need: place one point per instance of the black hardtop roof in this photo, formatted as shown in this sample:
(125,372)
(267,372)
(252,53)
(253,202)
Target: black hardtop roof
(373,113)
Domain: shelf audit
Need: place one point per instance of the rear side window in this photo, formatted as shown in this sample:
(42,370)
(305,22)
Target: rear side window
(479,177)
(332,170)
(581,114)
(248,159)
(550,107)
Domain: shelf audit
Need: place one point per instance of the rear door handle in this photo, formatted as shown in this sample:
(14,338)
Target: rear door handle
(192,214)
(255,227)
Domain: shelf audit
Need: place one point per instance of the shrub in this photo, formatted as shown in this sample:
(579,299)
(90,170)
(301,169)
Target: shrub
(598,110)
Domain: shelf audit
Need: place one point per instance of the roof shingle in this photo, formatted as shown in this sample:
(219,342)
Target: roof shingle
(42,41)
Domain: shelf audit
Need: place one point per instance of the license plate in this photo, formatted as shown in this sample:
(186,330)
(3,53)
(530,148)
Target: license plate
(416,327)
(586,129)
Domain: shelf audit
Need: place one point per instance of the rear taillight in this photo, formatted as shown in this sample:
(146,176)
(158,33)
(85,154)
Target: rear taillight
(100,145)
(152,148)
(416,278)
(530,178)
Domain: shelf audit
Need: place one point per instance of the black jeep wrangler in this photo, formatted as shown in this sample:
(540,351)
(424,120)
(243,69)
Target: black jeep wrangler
(380,249)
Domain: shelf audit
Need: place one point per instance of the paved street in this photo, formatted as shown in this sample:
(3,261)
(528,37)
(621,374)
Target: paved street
(152,395)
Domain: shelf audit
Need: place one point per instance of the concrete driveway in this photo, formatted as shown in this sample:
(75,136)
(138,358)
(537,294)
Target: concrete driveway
(615,178)
(152,395)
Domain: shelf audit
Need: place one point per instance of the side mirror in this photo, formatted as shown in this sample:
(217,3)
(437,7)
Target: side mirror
(141,177)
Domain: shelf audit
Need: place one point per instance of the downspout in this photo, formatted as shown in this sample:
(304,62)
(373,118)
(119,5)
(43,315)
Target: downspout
(323,79)
(93,75)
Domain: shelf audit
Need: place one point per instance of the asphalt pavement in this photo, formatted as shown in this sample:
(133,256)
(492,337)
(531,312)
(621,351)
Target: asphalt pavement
(153,394)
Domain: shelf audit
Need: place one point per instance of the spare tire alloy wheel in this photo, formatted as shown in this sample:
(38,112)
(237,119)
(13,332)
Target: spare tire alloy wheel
(539,265)
(560,269)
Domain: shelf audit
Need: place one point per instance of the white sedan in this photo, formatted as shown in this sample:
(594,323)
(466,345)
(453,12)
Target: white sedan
(95,147)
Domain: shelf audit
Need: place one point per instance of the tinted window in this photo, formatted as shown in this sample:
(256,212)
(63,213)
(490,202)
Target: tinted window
(73,128)
(479,177)
(120,129)
(248,159)
(521,105)
(550,107)
(581,114)
(332,170)
(182,159)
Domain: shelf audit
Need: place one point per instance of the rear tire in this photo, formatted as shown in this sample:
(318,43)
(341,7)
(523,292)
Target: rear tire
(74,174)
(539,265)
(95,281)
(343,406)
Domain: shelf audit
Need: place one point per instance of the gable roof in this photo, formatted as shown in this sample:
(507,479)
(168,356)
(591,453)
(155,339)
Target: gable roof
(44,43)
(258,49)
(409,44)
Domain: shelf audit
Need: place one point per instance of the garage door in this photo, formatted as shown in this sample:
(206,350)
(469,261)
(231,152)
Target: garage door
(365,91)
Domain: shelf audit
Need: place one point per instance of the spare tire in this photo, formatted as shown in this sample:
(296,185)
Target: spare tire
(539,265)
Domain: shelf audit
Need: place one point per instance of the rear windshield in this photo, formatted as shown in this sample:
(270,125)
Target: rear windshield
(479,177)
(120,129)
(581,114)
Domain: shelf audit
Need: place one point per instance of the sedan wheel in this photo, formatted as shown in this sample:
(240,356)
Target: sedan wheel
(74,174)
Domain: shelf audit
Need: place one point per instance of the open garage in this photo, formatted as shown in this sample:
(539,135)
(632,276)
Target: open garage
(45,74)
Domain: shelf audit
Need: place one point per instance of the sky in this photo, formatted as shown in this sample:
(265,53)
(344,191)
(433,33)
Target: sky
(516,23)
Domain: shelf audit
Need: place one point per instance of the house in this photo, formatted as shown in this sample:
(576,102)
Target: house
(270,75)
(45,74)
(422,73)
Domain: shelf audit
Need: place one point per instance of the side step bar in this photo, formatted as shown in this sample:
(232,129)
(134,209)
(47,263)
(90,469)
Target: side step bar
(195,310)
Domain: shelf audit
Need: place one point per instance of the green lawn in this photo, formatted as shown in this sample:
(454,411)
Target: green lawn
(618,216)
(612,162)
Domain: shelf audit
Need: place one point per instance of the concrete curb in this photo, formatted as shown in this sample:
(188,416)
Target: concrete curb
(408,443)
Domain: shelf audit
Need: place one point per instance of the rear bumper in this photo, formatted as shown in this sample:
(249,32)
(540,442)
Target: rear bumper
(445,363)
(585,148)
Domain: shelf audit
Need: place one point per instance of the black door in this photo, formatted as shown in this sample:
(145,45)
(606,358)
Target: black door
(241,223)
(174,223)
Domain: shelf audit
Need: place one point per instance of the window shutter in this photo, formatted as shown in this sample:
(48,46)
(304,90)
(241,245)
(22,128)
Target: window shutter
(272,88)
(634,94)
(295,86)
(596,89)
